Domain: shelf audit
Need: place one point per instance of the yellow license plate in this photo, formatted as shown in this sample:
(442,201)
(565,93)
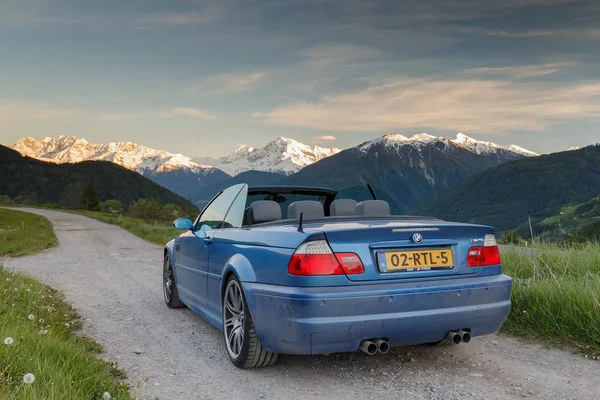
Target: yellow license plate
(417,260)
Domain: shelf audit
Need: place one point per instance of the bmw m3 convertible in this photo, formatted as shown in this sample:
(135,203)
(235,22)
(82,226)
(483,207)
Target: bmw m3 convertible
(309,270)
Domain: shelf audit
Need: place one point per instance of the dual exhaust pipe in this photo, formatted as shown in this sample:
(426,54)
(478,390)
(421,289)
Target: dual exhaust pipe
(373,346)
(457,337)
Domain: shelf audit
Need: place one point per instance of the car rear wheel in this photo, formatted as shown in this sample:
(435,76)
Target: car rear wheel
(169,286)
(243,347)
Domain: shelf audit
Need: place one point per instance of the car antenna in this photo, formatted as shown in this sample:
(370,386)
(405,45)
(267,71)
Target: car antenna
(372,192)
(300,222)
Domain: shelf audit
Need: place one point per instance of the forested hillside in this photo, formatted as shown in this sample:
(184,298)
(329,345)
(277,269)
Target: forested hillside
(38,182)
(505,196)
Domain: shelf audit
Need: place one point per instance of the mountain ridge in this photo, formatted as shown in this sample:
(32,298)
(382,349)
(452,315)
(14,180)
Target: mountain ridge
(507,195)
(51,182)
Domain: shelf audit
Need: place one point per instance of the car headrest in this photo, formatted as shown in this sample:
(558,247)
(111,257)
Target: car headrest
(342,207)
(311,209)
(262,211)
(373,208)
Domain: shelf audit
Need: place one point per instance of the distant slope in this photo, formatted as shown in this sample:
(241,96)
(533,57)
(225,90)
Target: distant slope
(185,182)
(506,195)
(253,178)
(580,220)
(176,172)
(411,170)
(58,183)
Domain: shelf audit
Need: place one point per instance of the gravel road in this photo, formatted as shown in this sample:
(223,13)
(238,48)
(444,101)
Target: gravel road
(113,278)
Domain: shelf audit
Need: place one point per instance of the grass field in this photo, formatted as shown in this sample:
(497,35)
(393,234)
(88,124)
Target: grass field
(158,234)
(556,295)
(38,330)
(38,336)
(23,233)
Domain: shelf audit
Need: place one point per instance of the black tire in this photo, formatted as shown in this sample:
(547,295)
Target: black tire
(169,286)
(252,354)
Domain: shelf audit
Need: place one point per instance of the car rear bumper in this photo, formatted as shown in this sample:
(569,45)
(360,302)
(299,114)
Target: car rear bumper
(321,320)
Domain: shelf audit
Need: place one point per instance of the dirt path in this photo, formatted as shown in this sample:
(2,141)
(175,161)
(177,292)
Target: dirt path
(114,279)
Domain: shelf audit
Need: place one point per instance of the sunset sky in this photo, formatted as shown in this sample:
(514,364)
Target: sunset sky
(199,77)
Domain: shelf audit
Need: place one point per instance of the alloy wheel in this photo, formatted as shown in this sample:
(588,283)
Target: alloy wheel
(233,316)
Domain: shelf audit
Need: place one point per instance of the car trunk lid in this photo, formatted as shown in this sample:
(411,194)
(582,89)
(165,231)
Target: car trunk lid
(401,250)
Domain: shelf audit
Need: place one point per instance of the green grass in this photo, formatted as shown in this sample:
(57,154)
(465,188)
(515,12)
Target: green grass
(556,295)
(63,362)
(155,233)
(23,233)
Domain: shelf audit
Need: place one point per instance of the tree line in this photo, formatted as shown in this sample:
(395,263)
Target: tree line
(150,210)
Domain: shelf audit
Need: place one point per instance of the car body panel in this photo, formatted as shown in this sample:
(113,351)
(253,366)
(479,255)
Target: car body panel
(322,320)
(323,314)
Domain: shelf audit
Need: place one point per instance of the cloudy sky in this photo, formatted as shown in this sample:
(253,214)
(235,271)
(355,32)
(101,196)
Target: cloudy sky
(199,77)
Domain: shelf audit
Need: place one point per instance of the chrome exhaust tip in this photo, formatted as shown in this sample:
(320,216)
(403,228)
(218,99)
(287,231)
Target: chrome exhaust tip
(383,346)
(367,346)
(465,336)
(454,337)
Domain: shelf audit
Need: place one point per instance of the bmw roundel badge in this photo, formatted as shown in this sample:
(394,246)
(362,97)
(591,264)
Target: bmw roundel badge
(417,238)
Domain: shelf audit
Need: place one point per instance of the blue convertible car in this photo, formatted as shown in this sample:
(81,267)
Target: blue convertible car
(307,270)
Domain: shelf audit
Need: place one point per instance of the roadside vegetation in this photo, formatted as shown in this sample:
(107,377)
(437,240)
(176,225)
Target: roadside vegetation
(157,233)
(556,294)
(147,218)
(42,356)
(23,233)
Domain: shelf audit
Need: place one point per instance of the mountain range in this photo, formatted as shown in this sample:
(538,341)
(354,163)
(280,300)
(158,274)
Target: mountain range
(283,156)
(412,169)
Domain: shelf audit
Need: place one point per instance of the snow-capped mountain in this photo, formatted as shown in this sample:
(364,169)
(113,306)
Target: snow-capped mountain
(69,149)
(285,156)
(411,169)
(174,171)
(476,146)
(520,150)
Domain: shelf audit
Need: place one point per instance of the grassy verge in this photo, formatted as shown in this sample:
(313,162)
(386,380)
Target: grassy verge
(556,295)
(38,336)
(23,233)
(158,234)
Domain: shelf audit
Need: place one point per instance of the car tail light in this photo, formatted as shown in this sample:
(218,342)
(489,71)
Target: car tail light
(486,255)
(316,258)
(351,263)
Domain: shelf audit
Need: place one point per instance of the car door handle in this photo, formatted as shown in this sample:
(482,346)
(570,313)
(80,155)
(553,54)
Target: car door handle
(207,240)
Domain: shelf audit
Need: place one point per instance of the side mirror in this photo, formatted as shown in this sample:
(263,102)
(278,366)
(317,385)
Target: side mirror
(185,224)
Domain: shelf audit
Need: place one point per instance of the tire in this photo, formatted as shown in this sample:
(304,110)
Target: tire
(241,340)
(169,286)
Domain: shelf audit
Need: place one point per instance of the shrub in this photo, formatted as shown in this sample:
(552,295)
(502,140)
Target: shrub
(147,209)
(112,207)
(511,237)
(6,201)
(171,212)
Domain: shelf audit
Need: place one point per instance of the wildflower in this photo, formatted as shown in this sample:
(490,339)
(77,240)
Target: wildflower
(28,378)
(43,331)
(29,290)
(31,317)
(67,325)
(106,396)
(8,341)
(41,320)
